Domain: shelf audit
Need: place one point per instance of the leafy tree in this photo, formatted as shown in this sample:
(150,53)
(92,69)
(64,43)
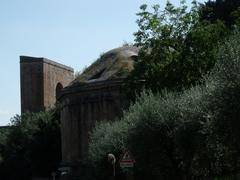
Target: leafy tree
(228,11)
(32,146)
(176,48)
(186,135)
(224,102)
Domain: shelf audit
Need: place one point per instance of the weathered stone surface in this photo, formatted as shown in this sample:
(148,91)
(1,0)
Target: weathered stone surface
(95,95)
(81,107)
(114,64)
(39,80)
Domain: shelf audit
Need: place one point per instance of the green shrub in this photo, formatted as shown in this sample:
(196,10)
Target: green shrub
(188,135)
(32,146)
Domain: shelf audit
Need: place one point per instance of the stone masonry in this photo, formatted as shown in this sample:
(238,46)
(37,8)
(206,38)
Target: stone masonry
(95,95)
(41,82)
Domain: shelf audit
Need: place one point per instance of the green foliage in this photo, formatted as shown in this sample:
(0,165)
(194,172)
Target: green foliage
(225,103)
(228,11)
(188,135)
(165,139)
(3,137)
(176,48)
(107,138)
(32,146)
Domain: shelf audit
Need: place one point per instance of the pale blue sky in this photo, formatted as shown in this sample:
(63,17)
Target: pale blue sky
(72,32)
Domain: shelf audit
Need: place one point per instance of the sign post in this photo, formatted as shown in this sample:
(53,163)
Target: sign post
(53,175)
(127,163)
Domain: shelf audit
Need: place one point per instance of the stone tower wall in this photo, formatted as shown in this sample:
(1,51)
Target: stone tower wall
(82,107)
(54,74)
(39,79)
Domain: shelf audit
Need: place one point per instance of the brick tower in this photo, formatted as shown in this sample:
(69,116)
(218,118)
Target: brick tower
(41,82)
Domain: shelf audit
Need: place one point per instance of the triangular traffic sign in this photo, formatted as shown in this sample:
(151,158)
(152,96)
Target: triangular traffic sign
(127,160)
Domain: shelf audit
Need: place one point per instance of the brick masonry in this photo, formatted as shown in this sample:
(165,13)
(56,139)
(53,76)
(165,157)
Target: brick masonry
(40,80)
(82,107)
(83,103)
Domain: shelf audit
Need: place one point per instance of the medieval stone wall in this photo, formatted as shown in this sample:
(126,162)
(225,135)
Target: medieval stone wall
(39,80)
(82,107)
(54,76)
(31,84)
(95,95)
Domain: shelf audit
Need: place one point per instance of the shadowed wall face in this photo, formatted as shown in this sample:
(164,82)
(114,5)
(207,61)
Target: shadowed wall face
(55,77)
(82,107)
(40,79)
(95,95)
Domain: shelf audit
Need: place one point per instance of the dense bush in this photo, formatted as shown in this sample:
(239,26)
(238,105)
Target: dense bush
(188,135)
(32,146)
(227,11)
(108,137)
(224,104)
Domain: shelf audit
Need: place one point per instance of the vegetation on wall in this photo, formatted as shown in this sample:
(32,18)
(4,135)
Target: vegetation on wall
(184,123)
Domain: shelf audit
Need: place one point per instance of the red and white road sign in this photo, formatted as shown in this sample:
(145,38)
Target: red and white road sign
(126,160)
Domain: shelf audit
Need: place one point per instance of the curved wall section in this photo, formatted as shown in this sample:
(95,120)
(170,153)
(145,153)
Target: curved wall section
(82,106)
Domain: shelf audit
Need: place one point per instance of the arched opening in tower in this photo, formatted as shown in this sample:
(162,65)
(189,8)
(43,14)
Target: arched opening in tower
(59,87)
